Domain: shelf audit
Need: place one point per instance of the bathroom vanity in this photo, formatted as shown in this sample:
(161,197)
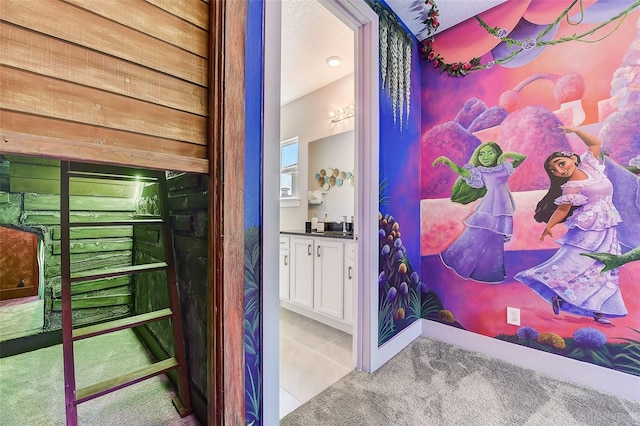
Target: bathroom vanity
(317,276)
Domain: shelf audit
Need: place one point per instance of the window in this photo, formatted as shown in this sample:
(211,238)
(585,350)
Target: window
(289,168)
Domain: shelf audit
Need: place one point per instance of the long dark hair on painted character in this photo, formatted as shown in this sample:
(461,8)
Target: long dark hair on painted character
(546,206)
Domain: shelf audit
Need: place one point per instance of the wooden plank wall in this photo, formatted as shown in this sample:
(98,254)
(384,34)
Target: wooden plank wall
(187,201)
(115,82)
(37,180)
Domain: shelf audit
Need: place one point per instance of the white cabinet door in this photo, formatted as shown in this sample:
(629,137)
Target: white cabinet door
(329,278)
(349,279)
(301,272)
(285,261)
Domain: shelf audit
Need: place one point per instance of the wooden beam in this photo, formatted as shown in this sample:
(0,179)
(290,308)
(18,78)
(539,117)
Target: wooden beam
(17,122)
(69,101)
(225,319)
(25,144)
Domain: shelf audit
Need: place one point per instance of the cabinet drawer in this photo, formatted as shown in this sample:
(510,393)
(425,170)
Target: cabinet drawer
(284,243)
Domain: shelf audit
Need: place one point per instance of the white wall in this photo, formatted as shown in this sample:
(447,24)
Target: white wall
(308,119)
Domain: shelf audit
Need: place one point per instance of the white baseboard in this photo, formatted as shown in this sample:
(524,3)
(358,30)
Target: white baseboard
(397,343)
(331,322)
(603,379)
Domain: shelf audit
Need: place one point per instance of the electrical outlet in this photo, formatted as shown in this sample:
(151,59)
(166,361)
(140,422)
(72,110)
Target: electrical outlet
(513,316)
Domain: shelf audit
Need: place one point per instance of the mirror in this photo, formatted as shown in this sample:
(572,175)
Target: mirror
(331,163)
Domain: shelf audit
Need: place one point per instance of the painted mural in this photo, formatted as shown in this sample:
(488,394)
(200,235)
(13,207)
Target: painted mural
(252,216)
(400,289)
(529,186)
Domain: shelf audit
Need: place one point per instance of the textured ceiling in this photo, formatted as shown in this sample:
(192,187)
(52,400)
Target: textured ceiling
(310,34)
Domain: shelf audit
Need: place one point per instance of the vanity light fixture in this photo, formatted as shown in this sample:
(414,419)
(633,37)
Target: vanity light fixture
(334,61)
(342,113)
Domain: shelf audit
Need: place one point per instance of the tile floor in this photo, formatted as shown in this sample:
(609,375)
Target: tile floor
(313,356)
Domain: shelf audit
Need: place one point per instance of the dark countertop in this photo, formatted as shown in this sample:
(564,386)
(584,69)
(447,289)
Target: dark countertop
(328,234)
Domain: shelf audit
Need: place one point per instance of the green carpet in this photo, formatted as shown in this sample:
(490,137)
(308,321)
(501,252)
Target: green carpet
(32,386)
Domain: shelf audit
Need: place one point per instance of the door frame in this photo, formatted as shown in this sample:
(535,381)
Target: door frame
(358,16)
(225,141)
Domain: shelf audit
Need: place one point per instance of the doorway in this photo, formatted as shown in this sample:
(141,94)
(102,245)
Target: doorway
(315,333)
(363,22)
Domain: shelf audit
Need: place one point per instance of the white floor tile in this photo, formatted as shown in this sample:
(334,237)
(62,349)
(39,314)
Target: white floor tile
(309,375)
(313,356)
(339,350)
(290,350)
(312,334)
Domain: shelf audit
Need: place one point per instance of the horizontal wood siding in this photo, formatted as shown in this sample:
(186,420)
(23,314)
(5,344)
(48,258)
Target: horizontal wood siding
(121,82)
(29,175)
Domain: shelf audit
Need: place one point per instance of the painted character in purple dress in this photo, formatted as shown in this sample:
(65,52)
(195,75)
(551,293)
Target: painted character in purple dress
(478,253)
(580,194)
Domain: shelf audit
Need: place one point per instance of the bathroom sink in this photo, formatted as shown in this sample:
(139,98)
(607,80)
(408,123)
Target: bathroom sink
(338,233)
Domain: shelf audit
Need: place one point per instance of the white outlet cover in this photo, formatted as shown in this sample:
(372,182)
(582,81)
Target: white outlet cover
(513,316)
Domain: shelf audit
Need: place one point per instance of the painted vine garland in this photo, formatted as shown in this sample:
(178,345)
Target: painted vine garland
(460,69)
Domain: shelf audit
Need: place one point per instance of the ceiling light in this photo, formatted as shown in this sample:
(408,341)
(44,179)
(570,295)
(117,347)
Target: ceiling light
(334,61)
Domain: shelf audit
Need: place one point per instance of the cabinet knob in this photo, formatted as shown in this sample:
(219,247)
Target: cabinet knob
(318,251)
(286,260)
(350,269)
(309,250)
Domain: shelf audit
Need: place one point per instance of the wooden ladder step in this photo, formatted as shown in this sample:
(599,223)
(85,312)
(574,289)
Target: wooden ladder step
(120,382)
(117,223)
(120,324)
(97,171)
(114,272)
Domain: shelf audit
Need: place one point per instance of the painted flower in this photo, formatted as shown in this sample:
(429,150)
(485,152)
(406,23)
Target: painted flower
(404,288)
(391,294)
(551,339)
(414,277)
(382,233)
(502,33)
(402,268)
(399,314)
(385,250)
(529,44)
(466,66)
(446,316)
(527,333)
(397,243)
(589,338)
(382,279)
(422,287)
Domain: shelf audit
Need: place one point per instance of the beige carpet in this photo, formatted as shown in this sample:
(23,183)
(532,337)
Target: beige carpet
(21,317)
(434,383)
(32,386)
